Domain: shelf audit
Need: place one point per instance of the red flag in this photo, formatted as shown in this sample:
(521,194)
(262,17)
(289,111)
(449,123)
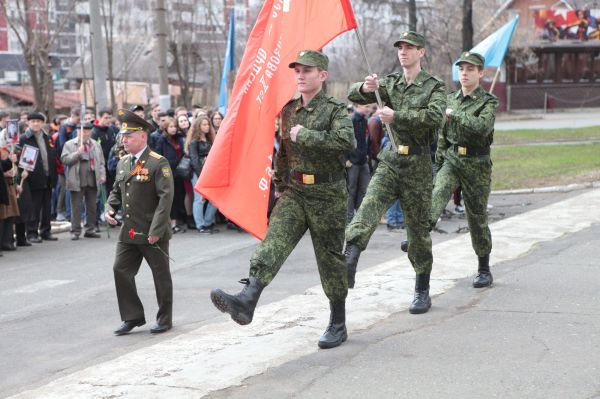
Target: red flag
(237,174)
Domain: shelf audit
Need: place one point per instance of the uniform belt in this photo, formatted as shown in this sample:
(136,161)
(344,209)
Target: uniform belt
(413,150)
(317,178)
(470,151)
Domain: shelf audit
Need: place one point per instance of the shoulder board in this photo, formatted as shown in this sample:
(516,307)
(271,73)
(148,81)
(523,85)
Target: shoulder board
(436,78)
(155,155)
(335,101)
(490,95)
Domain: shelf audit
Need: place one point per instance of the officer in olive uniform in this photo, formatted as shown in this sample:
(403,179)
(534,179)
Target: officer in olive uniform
(415,103)
(309,178)
(144,189)
(463,158)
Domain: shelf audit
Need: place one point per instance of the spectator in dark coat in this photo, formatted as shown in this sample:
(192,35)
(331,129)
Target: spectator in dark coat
(41,180)
(171,146)
(357,169)
(105,133)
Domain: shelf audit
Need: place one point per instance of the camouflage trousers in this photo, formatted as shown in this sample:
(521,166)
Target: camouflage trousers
(411,182)
(473,175)
(320,209)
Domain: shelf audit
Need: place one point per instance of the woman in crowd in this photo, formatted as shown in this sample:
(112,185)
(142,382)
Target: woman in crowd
(215,119)
(170,145)
(200,140)
(183,126)
(9,208)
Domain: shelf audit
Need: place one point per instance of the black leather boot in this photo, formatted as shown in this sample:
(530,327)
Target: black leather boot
(352,253)
(484,276)
(422,301)
(336,332)
(240,306)
(404,246)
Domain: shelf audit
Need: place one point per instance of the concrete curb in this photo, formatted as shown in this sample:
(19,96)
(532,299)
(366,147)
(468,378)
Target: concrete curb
(552,189)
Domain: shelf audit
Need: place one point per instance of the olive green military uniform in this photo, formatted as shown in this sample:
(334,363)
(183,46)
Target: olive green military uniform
(145,192)
(463,158)
(310,173)
(418,113)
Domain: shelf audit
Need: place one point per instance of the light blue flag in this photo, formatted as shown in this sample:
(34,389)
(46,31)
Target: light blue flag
(228,65)
(493,47)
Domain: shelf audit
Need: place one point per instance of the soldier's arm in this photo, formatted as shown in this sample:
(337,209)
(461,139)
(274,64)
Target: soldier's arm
(430,117)
(357,96)
(442,146)
(472,126)
(163,181)
(339,138)
(282,168)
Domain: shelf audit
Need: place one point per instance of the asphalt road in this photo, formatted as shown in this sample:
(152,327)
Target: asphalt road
(58,306)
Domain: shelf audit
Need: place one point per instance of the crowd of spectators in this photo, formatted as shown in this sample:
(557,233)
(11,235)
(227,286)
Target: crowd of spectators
(62,170)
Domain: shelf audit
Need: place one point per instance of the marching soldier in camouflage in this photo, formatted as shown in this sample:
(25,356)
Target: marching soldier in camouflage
(463,157)
(144,190)
(311,186)
(415,103)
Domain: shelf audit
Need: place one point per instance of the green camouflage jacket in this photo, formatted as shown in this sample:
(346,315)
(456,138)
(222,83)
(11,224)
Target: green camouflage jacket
(471,123)
(419,107)
(321,146)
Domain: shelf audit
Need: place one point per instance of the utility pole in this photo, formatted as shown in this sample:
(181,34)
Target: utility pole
(161,37)
(467,25)
(99,56)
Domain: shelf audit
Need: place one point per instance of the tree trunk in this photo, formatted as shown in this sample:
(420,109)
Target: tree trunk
(467,25)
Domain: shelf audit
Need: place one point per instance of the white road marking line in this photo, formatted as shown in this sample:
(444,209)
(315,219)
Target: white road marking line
(35,287)
(220,355)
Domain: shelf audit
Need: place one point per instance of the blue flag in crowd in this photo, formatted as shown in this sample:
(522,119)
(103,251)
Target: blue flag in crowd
(228,65)
(493,47)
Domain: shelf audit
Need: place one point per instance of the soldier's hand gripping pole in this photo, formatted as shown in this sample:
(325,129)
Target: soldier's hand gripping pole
(377,96)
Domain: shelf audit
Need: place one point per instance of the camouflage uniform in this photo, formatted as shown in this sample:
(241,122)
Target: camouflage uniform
(319,150)
(419,112)
(468,133)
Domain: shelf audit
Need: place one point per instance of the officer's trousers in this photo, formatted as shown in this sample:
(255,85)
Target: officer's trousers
(127,264)
(319,208)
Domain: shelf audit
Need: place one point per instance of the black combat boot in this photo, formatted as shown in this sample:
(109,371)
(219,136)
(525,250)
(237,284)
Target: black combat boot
(422,302)
(404,246)
(240,306)
(336,332)
(484,276)
(352,253)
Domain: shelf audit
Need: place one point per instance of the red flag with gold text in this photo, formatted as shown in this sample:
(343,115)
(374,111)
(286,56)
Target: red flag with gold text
(237,174)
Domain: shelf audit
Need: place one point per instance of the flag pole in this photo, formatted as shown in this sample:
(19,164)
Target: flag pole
(377,96)
(494,80)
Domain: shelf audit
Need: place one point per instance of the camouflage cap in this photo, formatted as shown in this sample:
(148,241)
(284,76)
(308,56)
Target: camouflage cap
(410,37)
(471,58)
(131,123)
(311,58)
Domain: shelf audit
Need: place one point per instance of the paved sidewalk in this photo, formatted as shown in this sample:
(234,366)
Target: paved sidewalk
(534,334)
(551,120)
